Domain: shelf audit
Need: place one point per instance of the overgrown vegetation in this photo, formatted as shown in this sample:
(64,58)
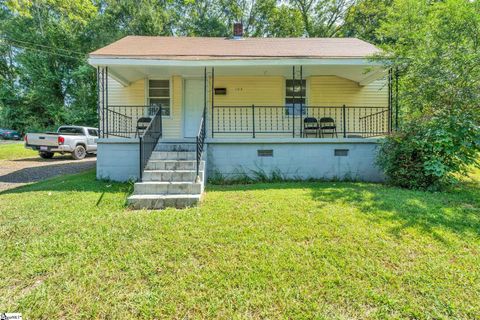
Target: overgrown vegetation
(436,48)
(70,249)
(258,175)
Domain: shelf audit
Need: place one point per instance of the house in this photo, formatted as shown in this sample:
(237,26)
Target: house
(174,110)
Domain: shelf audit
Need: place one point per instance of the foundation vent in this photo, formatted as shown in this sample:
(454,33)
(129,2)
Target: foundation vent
(265,153)
(341,152)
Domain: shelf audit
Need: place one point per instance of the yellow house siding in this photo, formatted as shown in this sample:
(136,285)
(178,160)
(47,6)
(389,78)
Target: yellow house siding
(172,126)
(136,95)
(132,95)
(119,98)
(260,91)
(336,91)
(245,91)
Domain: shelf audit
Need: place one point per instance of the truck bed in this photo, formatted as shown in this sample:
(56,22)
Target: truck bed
(43,139)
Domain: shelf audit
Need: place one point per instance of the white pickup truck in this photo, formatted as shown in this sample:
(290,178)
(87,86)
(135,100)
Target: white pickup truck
(79,141)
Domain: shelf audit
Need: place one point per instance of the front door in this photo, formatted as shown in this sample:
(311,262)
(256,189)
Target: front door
(192,106)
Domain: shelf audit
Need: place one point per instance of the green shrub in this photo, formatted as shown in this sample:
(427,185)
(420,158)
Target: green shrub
(427,153)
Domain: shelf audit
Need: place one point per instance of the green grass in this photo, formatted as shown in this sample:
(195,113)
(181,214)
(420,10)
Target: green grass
(10,151)
(69,249)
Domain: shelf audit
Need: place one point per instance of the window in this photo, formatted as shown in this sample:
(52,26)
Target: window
(295,97)
(92,132)
(71,130)
(159,95)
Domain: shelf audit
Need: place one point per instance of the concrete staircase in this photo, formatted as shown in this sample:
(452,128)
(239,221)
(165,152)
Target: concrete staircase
(169,178)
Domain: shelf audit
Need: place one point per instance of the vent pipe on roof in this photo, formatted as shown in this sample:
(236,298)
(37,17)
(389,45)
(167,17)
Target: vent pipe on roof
(237,30)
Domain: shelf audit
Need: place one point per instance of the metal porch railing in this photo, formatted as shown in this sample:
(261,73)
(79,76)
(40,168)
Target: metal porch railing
(121,120)
(258,121)
(149,139)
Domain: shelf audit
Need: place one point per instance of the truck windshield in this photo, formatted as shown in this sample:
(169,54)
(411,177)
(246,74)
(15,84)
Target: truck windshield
(70,130)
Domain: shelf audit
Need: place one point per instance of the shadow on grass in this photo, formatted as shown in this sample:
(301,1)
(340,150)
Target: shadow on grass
(456,210)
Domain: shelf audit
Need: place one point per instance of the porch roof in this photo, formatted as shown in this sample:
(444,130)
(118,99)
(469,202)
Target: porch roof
(137,57)
(202,48)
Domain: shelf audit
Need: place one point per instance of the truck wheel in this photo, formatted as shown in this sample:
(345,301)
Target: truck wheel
(46,155)
(79,152)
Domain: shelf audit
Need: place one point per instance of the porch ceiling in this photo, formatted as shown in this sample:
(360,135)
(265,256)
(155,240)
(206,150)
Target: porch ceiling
(362,74)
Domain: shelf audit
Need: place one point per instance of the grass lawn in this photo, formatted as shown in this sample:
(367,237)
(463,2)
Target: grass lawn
(10,151)
(285,250)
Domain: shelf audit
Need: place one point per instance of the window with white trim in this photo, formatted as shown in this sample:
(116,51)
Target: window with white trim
(295,97)
(159,95)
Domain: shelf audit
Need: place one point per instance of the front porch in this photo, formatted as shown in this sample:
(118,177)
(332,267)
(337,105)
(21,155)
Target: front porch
(240,103)
(305,122)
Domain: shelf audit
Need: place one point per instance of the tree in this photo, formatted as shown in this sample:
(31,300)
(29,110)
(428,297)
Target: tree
(363,19)
(436,48)
(46,51)
(322,18)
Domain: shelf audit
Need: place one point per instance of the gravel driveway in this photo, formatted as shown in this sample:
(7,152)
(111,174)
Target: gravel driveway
(18,172)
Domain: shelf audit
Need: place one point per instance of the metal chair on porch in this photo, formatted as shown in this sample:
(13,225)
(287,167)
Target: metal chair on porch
(142,125)
(328,126)
(310,125)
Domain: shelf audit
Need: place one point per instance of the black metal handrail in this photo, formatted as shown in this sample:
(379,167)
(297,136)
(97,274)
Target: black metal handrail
(149,139)
(256,120)
(200,142)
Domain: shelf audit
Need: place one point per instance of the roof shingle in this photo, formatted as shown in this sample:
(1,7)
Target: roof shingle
(198,48)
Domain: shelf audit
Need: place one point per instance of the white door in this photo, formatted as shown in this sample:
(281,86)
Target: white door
(193,107)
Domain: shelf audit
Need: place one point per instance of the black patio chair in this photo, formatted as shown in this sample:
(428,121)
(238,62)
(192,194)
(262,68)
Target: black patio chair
(142,125)
(328,126)
(310,124)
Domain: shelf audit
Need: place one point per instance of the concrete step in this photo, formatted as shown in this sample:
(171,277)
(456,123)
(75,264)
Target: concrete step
(174,165)
(148,201)
(176,147)
(171,175)
(173,155)
(162,187)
